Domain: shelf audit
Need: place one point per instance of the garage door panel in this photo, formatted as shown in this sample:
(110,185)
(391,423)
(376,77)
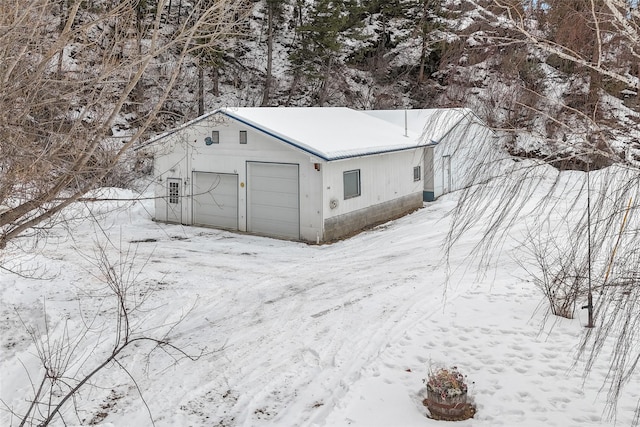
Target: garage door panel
(215,200)
(276,228)
(218,221)
(273,199)
(278,185)
(277,213)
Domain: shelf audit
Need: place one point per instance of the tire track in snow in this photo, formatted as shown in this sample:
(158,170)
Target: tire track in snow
(344,367)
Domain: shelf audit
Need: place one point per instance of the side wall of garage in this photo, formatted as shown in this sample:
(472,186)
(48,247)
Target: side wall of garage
(389,186)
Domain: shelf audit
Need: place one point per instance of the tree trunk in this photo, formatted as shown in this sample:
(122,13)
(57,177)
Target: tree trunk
(427,25)
(215,82)
(423,58)
(200,88)
(323,92)
(138,92)
(294,86)
(595,80)
(267,82)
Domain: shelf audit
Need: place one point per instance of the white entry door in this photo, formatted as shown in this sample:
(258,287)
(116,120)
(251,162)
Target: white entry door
(273,207)
(446,174)
(215,200)
(174,200)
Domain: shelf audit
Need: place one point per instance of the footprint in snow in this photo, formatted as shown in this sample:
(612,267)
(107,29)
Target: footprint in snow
(311,357)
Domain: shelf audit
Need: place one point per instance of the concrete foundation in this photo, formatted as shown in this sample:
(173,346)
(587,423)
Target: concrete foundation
(345,225)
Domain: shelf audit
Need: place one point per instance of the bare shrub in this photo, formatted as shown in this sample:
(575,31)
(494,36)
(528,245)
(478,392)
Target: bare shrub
(72,354)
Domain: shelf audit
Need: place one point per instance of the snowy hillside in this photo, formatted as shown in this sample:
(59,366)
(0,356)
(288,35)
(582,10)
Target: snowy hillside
(359,54)
(403,54)
(290,334)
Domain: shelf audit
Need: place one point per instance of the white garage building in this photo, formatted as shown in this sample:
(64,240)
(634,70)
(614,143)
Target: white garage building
(310,174)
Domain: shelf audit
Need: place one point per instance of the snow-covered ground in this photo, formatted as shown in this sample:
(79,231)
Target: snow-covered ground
(296,334)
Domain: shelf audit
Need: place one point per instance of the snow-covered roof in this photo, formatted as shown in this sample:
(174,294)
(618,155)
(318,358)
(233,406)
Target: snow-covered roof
(330,133)
(431,124)
(333,133)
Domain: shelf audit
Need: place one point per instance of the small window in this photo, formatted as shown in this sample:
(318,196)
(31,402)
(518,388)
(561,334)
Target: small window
(351,183)
(243,137)
(417,173)
(213,139)
(174,192)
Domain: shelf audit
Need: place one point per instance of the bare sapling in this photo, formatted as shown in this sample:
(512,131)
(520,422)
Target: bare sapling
(76,352)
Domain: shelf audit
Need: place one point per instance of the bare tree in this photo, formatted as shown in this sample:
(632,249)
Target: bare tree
(598,264)
(613,22)
(67,76)
(72,357)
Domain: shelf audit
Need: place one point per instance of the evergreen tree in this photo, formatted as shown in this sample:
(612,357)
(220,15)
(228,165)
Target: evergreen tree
(321,35)
(210,55)
(390,9)
(384,12)
(429,21)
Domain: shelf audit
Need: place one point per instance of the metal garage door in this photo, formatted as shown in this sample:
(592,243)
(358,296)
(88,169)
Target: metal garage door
(273,201)
(215,200)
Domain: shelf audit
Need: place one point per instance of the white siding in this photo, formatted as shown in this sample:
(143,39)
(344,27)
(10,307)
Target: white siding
(185,151)
(383,177)
(428,169)
(169,156)
(467,145)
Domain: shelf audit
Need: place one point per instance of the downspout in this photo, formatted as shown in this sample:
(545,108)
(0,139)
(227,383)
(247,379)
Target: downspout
(188,190)
(406,126)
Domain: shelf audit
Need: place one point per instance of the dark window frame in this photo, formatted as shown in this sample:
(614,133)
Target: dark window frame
(417,173)
(358,191)
(174,192)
